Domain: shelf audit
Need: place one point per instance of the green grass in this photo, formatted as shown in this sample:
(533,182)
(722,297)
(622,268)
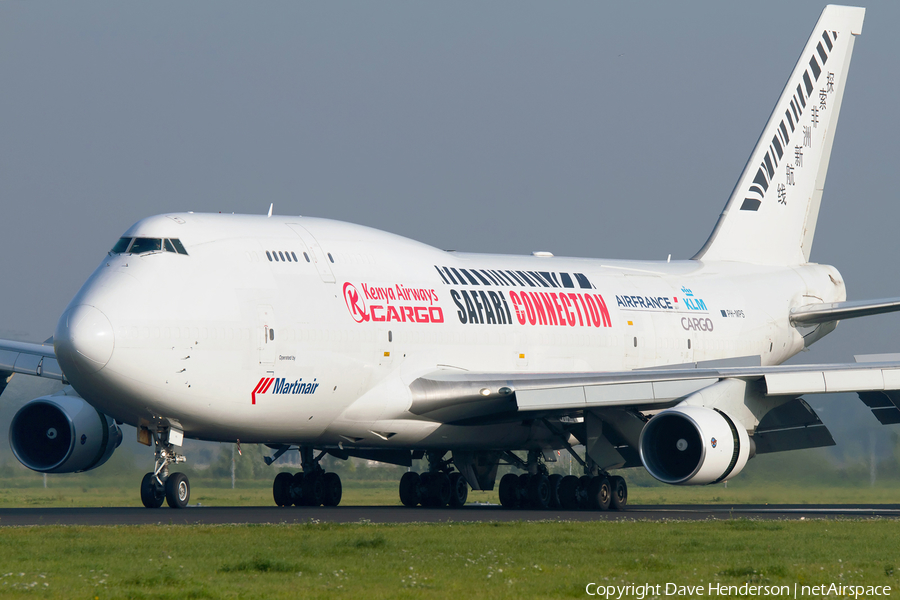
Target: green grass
(494,560)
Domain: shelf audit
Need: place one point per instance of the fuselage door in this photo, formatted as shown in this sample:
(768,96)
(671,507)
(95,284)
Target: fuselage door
(267,335)
(316,254)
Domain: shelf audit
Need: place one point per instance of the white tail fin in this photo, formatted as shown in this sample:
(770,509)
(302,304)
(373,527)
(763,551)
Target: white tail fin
(771,215)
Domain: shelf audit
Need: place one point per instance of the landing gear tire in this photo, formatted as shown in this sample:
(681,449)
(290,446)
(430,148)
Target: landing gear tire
(425,489)
(568,492)
(508,485)
(555,480)
(619,491)
(409,489)
(152,493)
(178,490)
(281,489)
(539,492)
(582,491)
(599,494)
(522,490)
(313,489)
(436,487)
(295,489)
(459,490)
(333,490)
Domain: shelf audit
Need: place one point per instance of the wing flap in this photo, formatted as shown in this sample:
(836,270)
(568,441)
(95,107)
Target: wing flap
(792,426)
(832,379)
(885,405)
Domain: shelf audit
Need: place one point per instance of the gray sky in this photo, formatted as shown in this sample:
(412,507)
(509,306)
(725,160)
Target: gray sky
(587,129)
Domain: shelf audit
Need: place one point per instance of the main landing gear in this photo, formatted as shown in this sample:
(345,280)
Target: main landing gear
(311,487)
(540,491)
(438,487)
(537,489)
(161,485)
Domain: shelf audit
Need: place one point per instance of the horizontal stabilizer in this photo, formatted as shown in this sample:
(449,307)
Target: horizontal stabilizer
(891,357)
(836,311)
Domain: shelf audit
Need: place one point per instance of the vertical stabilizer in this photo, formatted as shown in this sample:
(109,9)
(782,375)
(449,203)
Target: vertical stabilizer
(771,215)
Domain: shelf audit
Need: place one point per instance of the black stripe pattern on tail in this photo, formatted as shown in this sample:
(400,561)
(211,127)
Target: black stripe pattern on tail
(764,175)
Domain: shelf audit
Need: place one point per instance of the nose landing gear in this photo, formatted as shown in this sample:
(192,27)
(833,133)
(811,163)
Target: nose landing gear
(161,485)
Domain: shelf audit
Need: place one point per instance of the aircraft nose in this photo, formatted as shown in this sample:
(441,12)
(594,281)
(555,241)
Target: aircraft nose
(84,339)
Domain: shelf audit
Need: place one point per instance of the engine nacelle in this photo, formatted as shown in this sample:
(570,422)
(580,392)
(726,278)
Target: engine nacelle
(694,445)
(62,434)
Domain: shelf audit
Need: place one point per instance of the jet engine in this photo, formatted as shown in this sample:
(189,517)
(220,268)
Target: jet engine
(694,445)
(62,434)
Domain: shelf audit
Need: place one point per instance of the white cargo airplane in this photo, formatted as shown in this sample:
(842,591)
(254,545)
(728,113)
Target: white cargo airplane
(347,341)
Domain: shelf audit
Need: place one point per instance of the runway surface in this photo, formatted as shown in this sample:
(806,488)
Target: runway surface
(396,514)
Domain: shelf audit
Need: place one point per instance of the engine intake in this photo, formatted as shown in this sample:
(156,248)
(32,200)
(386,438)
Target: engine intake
(694,445)
(62,434)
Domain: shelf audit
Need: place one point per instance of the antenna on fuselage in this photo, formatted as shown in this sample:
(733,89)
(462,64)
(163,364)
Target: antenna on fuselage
(271,206)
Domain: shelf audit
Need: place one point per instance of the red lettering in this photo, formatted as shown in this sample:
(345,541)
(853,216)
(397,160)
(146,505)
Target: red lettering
(595,314)
(407,311)
(570,316)
(604,312)
(421,317)
(372,310)
(558,308)
(529,309)
(539,309)
(574,298)
(587,314)
(548,304)
(515,300)
(392,314)
(436,314)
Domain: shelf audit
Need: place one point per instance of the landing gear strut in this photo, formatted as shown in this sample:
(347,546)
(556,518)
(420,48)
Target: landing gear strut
(311,487)
(161,485)
(437,487)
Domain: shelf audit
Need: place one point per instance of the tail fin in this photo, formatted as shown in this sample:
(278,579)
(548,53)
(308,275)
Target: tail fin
(771,215)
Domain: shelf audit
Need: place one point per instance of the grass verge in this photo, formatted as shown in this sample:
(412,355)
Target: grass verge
(495,560)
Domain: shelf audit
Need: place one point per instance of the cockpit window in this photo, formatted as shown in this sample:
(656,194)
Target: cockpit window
(178,247)
(144,245)
(121,246)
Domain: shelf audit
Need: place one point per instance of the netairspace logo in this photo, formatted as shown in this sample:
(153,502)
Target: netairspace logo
(645,590)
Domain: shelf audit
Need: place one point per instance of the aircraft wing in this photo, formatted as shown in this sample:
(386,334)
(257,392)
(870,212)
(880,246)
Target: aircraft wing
(469,398)
(29,359)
